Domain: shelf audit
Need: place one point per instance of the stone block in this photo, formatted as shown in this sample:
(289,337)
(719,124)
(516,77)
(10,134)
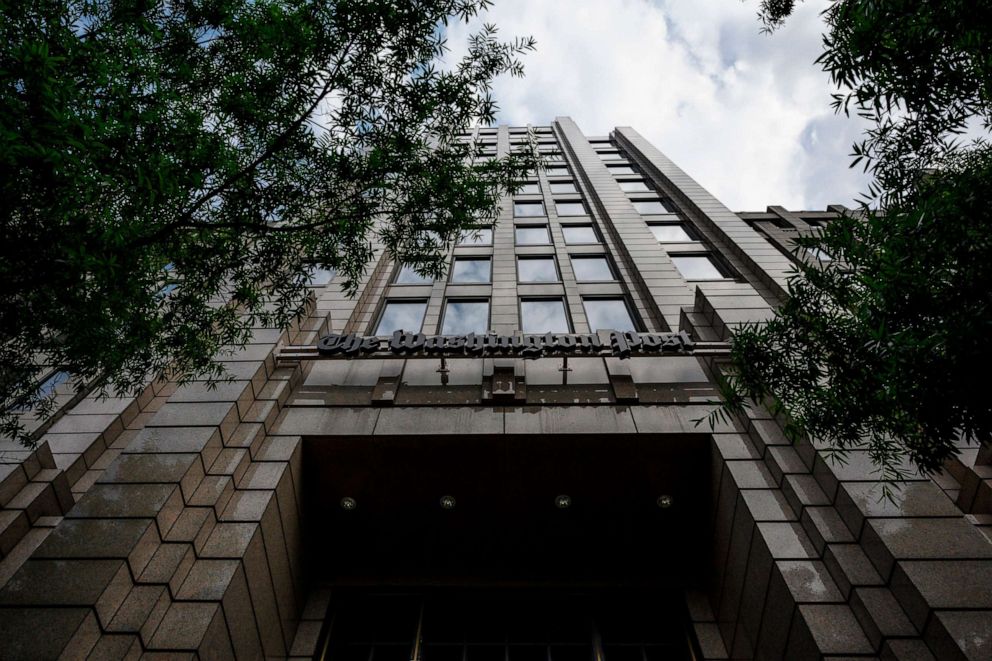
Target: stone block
(205,441)
(20,626)
(169,566)
(826,629)
(186,470)
(859,500)
(163,502)
(134,540)
(888,540)
(222,415)
(923,586)
(100,584)
(960,635)
(880,615)
(198,627)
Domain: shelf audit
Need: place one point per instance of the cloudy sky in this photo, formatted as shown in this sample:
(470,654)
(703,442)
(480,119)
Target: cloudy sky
(746,114)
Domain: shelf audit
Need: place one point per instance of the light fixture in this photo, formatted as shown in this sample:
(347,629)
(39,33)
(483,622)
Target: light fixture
(348,503)
(448,502)
(664,501)
(563,502)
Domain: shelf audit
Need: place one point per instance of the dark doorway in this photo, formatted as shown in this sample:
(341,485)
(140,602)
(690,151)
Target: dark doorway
(541,510)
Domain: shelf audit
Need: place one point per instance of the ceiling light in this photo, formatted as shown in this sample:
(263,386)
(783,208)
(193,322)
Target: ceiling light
(447,502)
(348,503)
(563,502)
(664,501)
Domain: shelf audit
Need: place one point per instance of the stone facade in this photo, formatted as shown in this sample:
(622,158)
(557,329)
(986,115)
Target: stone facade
(174,523)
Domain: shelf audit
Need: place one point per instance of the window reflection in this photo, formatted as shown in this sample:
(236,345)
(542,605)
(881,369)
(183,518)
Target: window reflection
(608,314)
(528,209)
(531,235)
(530,188)
(648,207)
(557,171)
(570,208)
(317,276)
(482,236)
(408,276)
(401,315)
(634,186)
(697,267)
(537,269)
(563,187)
(579,234)
(591,269)
(470,270)
(463,317)
(670,233)
(544,316)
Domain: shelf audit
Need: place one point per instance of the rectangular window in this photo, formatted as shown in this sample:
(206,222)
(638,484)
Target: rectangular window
(649,207)
(401,315)
(563,187)
(638,186)
(557,171)
(608,314)
(530,188)
(317,276)
(570,208)
(537,269)
(532,235)
(545,315)
(697,267)
(620,169)
(482,236)
(579,234)
(527,209)
(820,255)
(408,276)
(595,268)
(611,155)
(471,269)
(670,233)
(462,317)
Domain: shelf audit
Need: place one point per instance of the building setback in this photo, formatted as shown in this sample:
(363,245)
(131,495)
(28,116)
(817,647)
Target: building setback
(462,500)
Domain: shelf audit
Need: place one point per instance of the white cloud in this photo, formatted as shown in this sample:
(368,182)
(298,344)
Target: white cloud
(745,114)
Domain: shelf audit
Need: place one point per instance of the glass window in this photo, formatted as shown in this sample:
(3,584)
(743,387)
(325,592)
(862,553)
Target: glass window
(557,171)
(463,317)
(544,316)
(820,255)
(579,234)
(474,269)
(532,235)
(530,188)
(482,236)
(317,276)
(647,207)
(401,315)
(670,233)
(563,187)
(638,186)
(697,267)
(611,156)
(408,276)
(608,314)
(570,208)
(591,269)
(620,169)
(528,209)
(53,381)
(536,269)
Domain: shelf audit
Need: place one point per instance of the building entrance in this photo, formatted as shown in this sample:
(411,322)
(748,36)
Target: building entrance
(506,625)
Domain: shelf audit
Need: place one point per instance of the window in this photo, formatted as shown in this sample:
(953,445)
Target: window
(47,387)
(648,207)
(637,186)
(620,169)
(611,156)
(592,269)
(608,314)
(670,233)
(570,208)
(474,269)
(697,267)
(563,187)
(527,209)
(557,171)
(408,276)
(536,269)
(317,276)
(532,235)
(462,317)
(579,234)
(530,188)
(819,254)
(482,236)
(401,315)
(544,316)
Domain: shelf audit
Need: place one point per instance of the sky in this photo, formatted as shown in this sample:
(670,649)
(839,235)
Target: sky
(745,114)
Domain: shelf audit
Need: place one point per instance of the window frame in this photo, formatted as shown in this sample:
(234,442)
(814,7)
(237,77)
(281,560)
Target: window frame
(531,299)
(572,257)
(465,299)
(592,226)
(397,270)
(374,331)
(714,261)
(470,258)
(686,229)
(554,264)
(547,233)
(530,203)
(634,321)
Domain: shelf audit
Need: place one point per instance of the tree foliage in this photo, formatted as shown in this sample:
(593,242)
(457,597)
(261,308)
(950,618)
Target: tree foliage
(883,348)
(160,157)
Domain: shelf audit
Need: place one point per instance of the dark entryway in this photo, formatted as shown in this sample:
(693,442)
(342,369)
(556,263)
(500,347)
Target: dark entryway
(506,625)
(540,510)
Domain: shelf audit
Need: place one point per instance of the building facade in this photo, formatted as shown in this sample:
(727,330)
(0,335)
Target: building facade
(535,487)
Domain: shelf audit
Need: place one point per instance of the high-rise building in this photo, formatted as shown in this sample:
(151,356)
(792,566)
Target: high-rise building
(502,465)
